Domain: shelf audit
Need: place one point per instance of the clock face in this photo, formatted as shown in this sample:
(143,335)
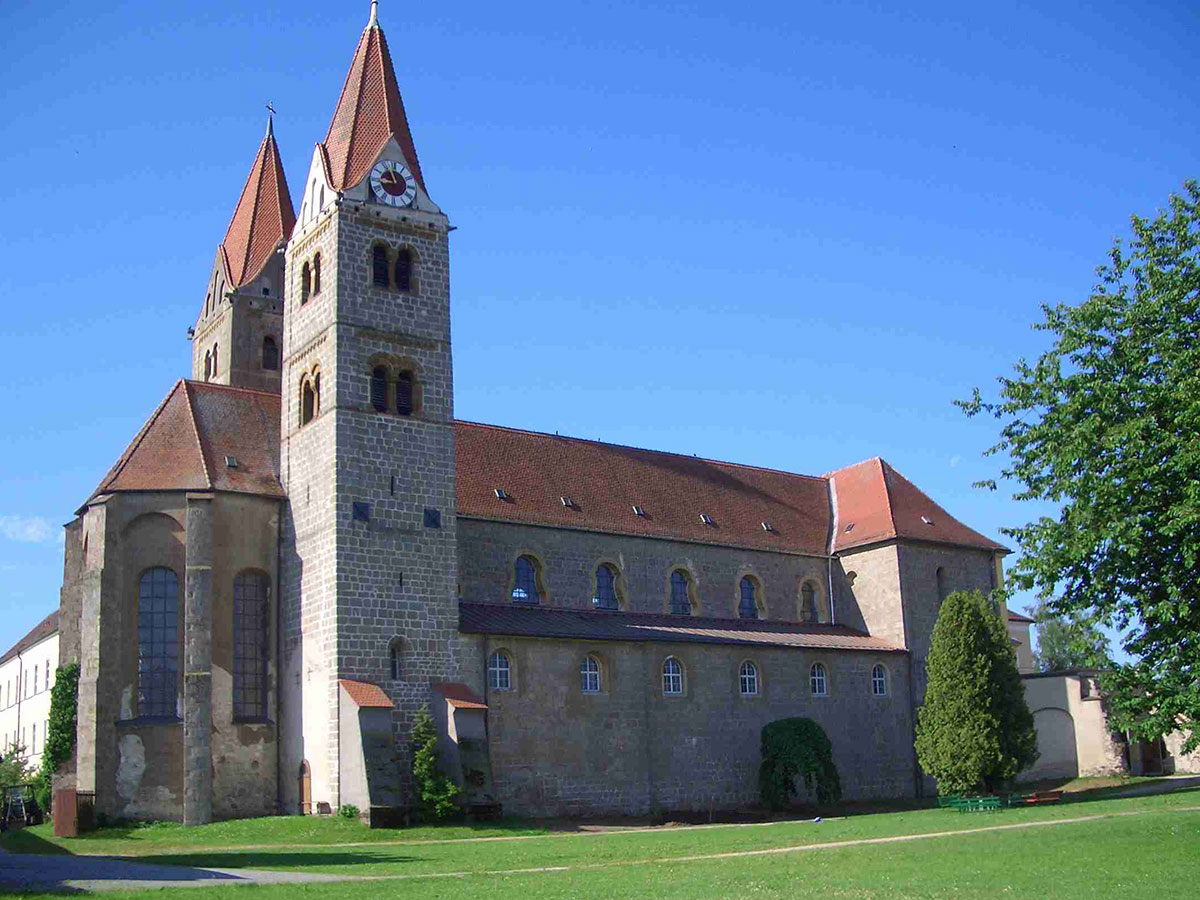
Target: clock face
(393,184)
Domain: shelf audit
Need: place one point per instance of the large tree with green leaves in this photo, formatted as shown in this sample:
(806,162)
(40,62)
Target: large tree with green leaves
(1106,426)
(1066,643)
(974,731)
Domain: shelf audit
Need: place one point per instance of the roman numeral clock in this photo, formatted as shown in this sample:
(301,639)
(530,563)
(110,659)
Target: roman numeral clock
(393,184)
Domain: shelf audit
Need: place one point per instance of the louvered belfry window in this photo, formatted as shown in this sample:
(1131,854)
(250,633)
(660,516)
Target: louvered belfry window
(404,269)
(379,266)
(250,646)
(379,389)
(158,643)
(404,394)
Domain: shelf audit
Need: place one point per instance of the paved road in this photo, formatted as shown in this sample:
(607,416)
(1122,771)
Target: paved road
(33,871)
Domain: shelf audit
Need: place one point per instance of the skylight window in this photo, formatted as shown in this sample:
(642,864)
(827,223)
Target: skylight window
(231,462)
(927,520)
(768,527)
(706,518)
(567,502)
(501,494)
(849,528)
(639,511)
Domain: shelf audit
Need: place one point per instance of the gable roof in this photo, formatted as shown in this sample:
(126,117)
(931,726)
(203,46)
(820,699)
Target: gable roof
(605,481)
(184,444)
(262,219)
(369,111)
(42,630)
(877,503)
(366,694)
(595,625)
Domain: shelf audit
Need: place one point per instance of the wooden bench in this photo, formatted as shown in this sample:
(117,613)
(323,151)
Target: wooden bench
(1039,797)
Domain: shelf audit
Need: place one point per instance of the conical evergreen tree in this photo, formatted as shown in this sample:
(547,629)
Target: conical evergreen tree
(975,731)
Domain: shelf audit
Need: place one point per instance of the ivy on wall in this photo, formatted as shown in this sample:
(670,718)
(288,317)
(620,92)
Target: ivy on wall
(794,748)
(60,736)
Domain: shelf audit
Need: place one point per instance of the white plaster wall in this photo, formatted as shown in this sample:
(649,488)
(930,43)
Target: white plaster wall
(21,711)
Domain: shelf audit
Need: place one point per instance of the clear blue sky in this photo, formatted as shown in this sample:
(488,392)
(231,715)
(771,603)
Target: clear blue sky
(784,234)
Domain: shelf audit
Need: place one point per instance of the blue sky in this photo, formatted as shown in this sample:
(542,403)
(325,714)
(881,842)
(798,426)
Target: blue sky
(783,234)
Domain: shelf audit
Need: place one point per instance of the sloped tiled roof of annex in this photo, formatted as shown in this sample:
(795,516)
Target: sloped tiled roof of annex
(184,444)
(262,219)
(1018,617)
(592,625)
(877,503)
(42,630)
(369,111)
(364,693)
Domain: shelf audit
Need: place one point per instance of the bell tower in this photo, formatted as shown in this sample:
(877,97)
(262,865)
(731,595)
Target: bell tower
(368,551)
(237,338)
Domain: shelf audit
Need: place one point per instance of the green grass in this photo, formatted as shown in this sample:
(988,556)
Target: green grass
(1153,854)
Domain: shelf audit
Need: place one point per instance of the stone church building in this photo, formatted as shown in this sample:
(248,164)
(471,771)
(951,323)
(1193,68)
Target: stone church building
(303,546)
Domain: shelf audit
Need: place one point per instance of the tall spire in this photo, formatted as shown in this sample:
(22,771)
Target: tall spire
(369,111)
(263,216)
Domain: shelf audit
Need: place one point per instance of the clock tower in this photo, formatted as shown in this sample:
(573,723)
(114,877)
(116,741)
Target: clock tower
(368,564)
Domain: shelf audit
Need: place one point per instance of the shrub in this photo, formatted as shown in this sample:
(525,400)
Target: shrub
(60,735)
(791,748)
(436,793)
(348,811)
(974,732)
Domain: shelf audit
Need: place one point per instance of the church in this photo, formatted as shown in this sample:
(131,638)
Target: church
(302,547)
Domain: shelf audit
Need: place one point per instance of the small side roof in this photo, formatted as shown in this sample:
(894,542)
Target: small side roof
(1017,617)
(42,630)
(366,694)
(185,443)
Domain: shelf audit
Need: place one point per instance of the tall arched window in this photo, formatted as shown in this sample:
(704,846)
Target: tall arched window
(308,402)
(878,681)
(808,603)
(525,588)
(208,365)
(748,678)
(270,354)
(316,279)
(158,643)
(499,672)
(379,266)
(404,267)
(681,601)
(672,676)
(404,393)
(589,675)
(818,680)
(216,360)
(250,646)
(379,389)
(395,652)
(748,607)
(305,283)
(606,588)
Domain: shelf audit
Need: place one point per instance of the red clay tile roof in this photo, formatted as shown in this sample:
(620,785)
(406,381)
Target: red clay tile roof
(605,481)
(459,695)
(369,111)
(1017,617)
(876,503)
(42,630)
(592,625)
(262,219)
(184,444)
(366,694)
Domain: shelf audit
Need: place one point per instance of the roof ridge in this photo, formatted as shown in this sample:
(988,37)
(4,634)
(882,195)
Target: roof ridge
(861,462)
(887,494)
(567,437)
(196,431)
(125,457)
(210,385)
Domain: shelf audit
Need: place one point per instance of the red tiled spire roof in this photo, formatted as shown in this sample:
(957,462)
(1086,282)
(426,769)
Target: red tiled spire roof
(369,111)
(263,217)
(881,504)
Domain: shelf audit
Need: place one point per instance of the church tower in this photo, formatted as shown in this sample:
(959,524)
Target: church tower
(237,338)
(368,555)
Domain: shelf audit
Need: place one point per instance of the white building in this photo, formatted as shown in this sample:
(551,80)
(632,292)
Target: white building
(27,673)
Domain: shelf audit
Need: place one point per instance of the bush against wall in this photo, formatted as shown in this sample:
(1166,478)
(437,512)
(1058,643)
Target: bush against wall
(436,793)
(975,731)
(60,735)
(794,748)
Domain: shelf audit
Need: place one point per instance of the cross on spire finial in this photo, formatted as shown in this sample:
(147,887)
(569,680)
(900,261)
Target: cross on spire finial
(374,20)
(270,118)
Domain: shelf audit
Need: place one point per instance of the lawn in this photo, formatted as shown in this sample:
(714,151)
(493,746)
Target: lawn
(1138,847)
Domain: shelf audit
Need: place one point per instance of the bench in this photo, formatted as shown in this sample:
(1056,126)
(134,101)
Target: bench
(970,804)
(1040,797)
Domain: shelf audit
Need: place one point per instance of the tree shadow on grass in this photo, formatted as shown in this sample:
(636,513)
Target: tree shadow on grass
(293,861)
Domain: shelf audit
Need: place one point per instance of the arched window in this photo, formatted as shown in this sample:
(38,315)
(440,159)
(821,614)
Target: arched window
(208,304)
(379,266)
(379,389)
(208,365)
(404,393)
(878,681)
(808,603)
(250,646)
(943,592)
(404,268)
(316,278)
(606,588)
(158,643)
(216,360)
(748,607)
(305,283)
(321,201)
(525,588)
(818,680)
(270,354)
(681,601)
(589,675)
(308,402)
(672,676)
(499,672)
(395,652)
(748,678)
